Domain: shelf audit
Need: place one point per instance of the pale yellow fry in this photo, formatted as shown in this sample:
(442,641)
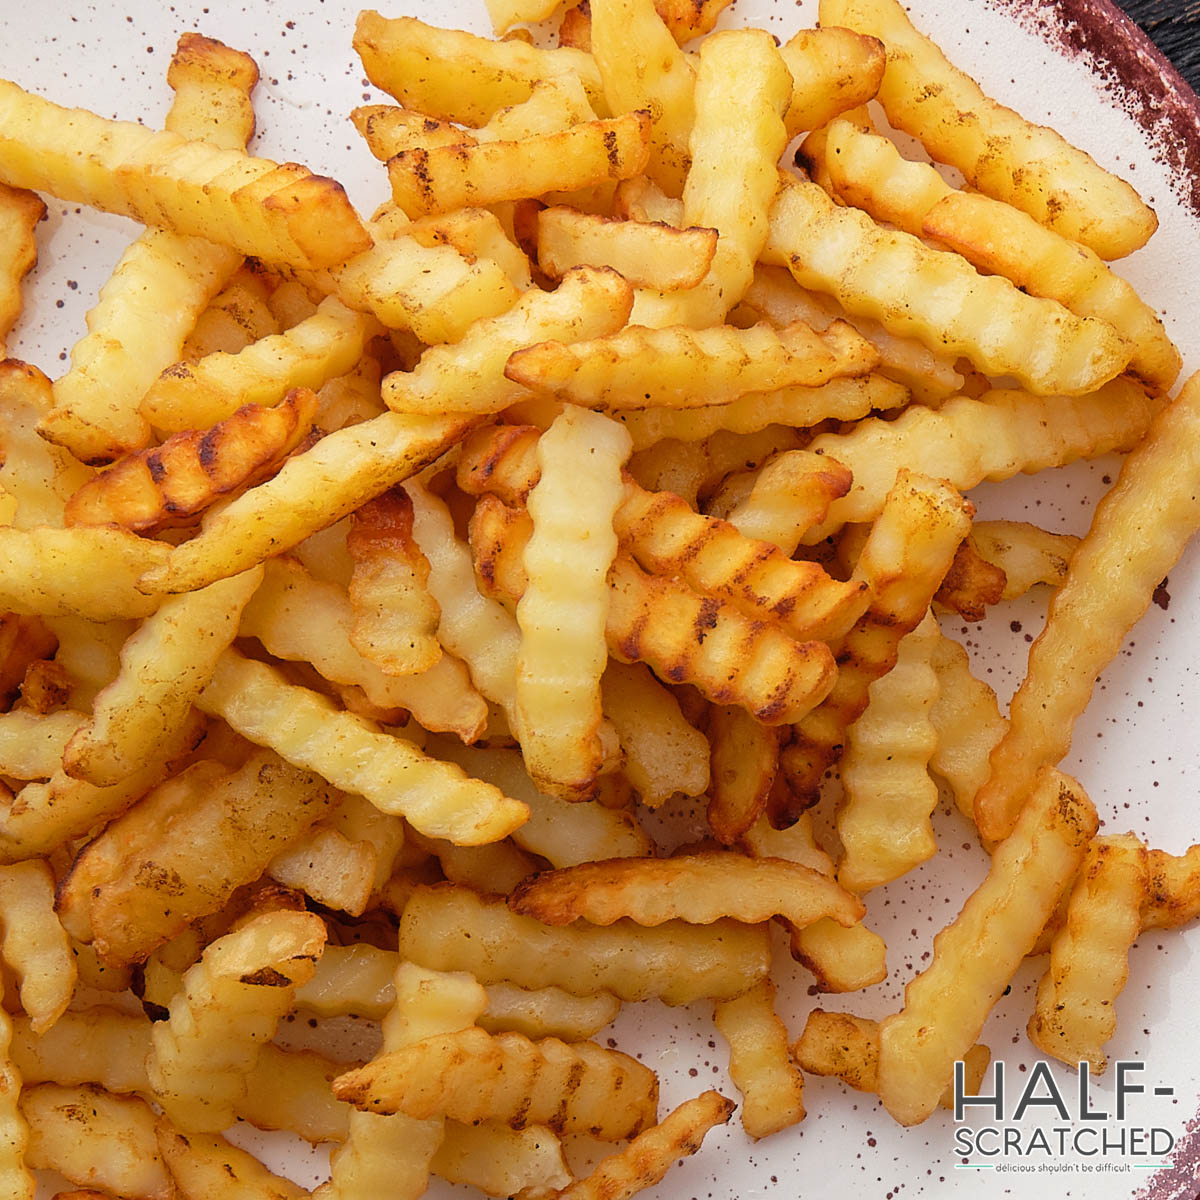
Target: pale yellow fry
(99,1045)
(205,1166)
(698,888)
(1002,240)
(391,1154)
(547,1012)
(312,491)
(180,853)
(237,315)
(280,214)
(388,129)
(291,1090)
(999,152)
(967,441)
(884,821)
(328,867)
(772,1088)
(641,67)
(840,400)
(32,744)
(648,254)
(563,611)
(742,90)
(975,957)
(229,1003)
(647,1159)
(20,211)
(504,14)
(499,1160)
(40,477)
(664,754)
(78,572)
(476,233)
(476,629)
(832,70)
(967,719)
(96,1139)
(1075,1011)
(34,944)
(15,1175)
(163,280)
(447,177)
(679,367)
(561,831)
(472,1075)
(1027,554)
(457,76)
(300,618)
(1137,534)
(164,667)
(946,303)
(469,376)
(556,103)
(777,297)
(355,755)
(195,395)
(450,928)
(45,815)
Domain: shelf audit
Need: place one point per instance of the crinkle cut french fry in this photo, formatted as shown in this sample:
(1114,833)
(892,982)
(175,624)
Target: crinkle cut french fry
(646,1160)
(884,820)
(237,315)
(388,129)
(453,929)
(648,254)
(679,367)
(642,68)
(742,90)
(469,376)
(283,214)
(355,755)
(745,756)
(1027,554)
(20,211)
(476,233)
(190,395)
(972,583)
(170,484)
(312,491)
(206,1165)
(329,868)
(31,744)
(472,1075)
(1172,889)
(500,1160)
(967,441)
(164,667)
(832,69)
(164,279)
(34,945)
(563,610)
(697,888)
(908,551)
(92,1137)
(15,1175)
(1138,532)
(999,152)
(229,1003)
(772,1088)
(456,76)
(448,177)
(1002,240)
(1075,1011)
(975,957)
(947,304)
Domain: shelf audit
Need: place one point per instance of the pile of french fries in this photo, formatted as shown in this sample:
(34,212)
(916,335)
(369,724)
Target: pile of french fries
(370,585)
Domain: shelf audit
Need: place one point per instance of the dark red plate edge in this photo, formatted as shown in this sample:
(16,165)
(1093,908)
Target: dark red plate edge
(1133,70)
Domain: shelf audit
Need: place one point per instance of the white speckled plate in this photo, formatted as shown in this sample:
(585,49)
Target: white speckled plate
(1136,751)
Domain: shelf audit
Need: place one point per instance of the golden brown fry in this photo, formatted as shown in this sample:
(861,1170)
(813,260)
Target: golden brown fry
(745,756)
(697,888)
(172,483)
(1138,532)
(1075,1010)
(999,152)
(237,315)
(205,1166)
(472,1075)
(832,70)
(647,1159)
(20,211)
(452,929)
(946,303)
(975,957)
(972,583)
(1027,554)
(388,130)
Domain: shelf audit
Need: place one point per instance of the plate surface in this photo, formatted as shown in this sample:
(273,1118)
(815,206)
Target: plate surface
(1136,750)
